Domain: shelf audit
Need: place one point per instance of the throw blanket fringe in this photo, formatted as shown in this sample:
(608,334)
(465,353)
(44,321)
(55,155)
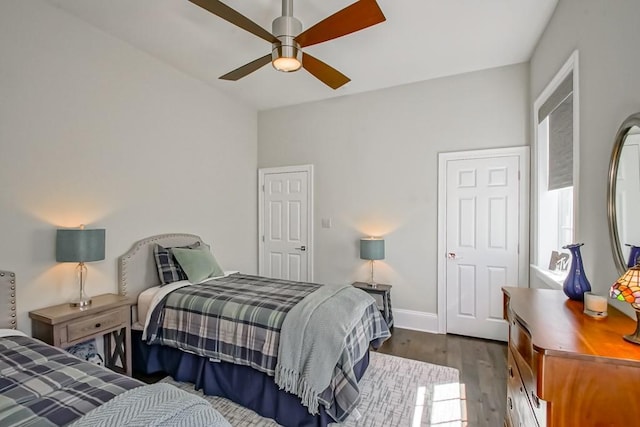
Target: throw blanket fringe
(292,382)
(312,340)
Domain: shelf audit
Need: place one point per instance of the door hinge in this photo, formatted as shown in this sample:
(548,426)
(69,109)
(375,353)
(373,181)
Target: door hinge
(263,188)
(518,176)
(263,238)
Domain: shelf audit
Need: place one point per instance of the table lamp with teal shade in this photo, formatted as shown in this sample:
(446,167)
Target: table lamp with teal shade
(80,245)
(372,249)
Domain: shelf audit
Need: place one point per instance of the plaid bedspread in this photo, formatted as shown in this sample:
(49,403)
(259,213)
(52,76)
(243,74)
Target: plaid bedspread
(45,386)
(238,319)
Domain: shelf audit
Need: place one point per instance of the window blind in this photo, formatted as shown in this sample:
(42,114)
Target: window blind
(560,94)
(558,109)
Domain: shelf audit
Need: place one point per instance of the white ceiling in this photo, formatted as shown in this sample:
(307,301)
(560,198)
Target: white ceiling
(420,40)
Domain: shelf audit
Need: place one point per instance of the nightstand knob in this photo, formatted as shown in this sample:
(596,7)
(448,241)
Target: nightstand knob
(12,282)
(98,325)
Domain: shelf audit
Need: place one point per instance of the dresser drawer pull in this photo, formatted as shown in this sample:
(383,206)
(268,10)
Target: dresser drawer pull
(511,371)
(535,400)
(510,403)
(98,325)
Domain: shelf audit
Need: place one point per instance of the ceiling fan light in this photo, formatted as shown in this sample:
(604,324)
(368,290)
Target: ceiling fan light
(286,64)
(287,56)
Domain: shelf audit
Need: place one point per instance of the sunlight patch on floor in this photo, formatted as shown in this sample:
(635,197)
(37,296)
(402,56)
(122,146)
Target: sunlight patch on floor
(448,408)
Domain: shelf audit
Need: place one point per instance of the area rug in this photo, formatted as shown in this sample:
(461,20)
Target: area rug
(395,392)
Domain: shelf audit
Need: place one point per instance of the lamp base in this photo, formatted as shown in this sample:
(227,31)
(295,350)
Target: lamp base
(83,300)
(635,337)
(81,303)
(632,338)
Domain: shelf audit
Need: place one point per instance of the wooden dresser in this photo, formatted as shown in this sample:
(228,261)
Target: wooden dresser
(566,368)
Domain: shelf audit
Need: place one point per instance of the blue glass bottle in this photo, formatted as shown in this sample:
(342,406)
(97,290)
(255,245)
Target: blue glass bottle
(634,253)
(576,283)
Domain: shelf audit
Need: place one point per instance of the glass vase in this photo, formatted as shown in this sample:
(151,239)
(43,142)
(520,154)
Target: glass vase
(634,253)
(576,283)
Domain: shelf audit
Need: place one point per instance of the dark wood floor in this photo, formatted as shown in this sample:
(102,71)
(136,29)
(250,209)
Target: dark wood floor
(482,365)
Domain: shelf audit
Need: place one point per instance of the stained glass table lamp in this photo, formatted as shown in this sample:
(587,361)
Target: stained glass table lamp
(627,288)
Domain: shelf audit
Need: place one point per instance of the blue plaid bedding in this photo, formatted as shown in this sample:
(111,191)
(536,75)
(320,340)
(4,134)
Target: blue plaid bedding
(45,386)
(238,319)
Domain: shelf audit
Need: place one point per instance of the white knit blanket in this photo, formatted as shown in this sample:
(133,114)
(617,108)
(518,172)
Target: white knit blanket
(154,405)
(312,340)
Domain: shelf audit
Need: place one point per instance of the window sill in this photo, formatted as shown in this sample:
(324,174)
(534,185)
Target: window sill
(551,280)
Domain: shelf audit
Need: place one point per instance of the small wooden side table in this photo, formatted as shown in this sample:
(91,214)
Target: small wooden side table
(384,291)
(109,316)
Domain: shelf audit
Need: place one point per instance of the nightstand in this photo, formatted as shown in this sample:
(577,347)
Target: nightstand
(385,292)
(109,316)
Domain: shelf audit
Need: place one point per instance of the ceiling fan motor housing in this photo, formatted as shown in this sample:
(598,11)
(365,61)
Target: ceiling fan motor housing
(287,51)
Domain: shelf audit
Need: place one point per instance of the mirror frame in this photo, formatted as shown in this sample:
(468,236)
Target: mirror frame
(618,258)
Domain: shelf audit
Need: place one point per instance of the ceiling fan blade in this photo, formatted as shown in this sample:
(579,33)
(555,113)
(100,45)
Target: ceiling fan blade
(358,16)
(323,72)
(246,69)
(225,12)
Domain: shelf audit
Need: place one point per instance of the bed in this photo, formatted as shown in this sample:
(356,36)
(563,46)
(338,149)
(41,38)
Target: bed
(45,386)
(236,335)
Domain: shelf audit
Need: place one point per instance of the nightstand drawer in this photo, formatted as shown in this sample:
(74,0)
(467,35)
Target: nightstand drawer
(79,329)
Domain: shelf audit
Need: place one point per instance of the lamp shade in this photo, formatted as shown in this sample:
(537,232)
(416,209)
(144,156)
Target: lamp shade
(372,248)
(627,287)
(80,245)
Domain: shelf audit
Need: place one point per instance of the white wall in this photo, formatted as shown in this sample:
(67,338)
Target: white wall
(606,35)
(93,131)
(376,160)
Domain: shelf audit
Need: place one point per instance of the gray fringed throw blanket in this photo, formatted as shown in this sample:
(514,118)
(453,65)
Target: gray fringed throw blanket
(312,340)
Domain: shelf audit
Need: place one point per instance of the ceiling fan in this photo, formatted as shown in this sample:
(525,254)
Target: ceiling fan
(287,38)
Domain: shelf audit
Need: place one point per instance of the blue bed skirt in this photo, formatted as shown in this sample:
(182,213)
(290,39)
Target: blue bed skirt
(242,384)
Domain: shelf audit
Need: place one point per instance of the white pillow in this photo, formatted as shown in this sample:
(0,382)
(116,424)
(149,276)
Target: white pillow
(11,333)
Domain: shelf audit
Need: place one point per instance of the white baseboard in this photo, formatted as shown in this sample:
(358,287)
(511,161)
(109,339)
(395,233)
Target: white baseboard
(415,320)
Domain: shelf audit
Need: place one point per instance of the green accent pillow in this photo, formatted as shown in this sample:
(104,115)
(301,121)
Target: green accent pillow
(198,264)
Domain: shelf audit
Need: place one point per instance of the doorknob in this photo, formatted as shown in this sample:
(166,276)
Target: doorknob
(453,255)
(301,248)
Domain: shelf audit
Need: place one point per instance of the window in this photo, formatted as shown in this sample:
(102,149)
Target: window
(556,148)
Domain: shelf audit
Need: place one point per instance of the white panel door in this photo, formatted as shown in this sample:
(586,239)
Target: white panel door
(482,238)
(285,226)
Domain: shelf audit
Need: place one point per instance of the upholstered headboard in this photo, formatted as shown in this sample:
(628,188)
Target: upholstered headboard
(8,298)
(137,268)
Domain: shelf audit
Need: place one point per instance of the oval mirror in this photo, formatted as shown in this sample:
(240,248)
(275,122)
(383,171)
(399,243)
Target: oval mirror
(623,194)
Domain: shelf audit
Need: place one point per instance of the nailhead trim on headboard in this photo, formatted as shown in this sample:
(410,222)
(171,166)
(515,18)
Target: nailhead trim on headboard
(8,319)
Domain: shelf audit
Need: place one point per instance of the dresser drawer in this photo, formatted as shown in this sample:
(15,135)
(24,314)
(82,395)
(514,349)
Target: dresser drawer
(519,408)
(76,330)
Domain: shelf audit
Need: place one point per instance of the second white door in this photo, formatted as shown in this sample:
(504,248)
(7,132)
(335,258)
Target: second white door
(482,234)
(285,219)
